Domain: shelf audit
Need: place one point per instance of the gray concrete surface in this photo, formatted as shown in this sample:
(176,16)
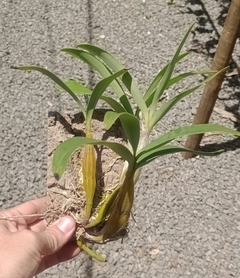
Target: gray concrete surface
(187,212)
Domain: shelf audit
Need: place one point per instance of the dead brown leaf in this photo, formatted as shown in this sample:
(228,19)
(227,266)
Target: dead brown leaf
(227,115)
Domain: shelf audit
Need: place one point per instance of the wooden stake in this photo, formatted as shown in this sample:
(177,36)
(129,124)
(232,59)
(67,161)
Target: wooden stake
(230,33)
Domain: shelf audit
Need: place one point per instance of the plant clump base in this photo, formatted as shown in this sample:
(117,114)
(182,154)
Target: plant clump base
(66,196)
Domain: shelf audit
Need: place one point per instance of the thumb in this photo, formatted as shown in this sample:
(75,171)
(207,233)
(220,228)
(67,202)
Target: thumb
(57,235)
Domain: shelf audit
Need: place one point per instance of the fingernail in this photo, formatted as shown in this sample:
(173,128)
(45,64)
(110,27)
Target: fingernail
(65,224)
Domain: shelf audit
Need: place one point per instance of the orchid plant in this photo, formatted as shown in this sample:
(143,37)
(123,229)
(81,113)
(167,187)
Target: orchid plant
(138,113)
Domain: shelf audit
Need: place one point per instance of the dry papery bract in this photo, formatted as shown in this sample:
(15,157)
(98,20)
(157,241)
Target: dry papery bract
(67,196)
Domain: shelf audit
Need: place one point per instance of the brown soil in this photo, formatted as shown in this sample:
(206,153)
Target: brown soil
(66,196)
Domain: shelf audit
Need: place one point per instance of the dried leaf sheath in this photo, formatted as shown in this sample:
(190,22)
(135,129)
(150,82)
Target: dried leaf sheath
(104,208)
(119,212)
(89,177)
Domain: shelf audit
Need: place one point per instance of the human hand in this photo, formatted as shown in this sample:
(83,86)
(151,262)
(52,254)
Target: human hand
(28,246)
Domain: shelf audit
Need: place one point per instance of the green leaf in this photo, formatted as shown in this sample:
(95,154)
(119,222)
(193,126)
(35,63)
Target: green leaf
(182,76)
(99,66)
(66,149)
(106,57)
(76,87)
(186,131)
(110,118)
(98,91)
(167,75)
(114,104)
(147,157)
(137,96)
(130,125)
(58,81)
(79,89)
(92,62)
(159,114)
(153,86)
(115,66)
